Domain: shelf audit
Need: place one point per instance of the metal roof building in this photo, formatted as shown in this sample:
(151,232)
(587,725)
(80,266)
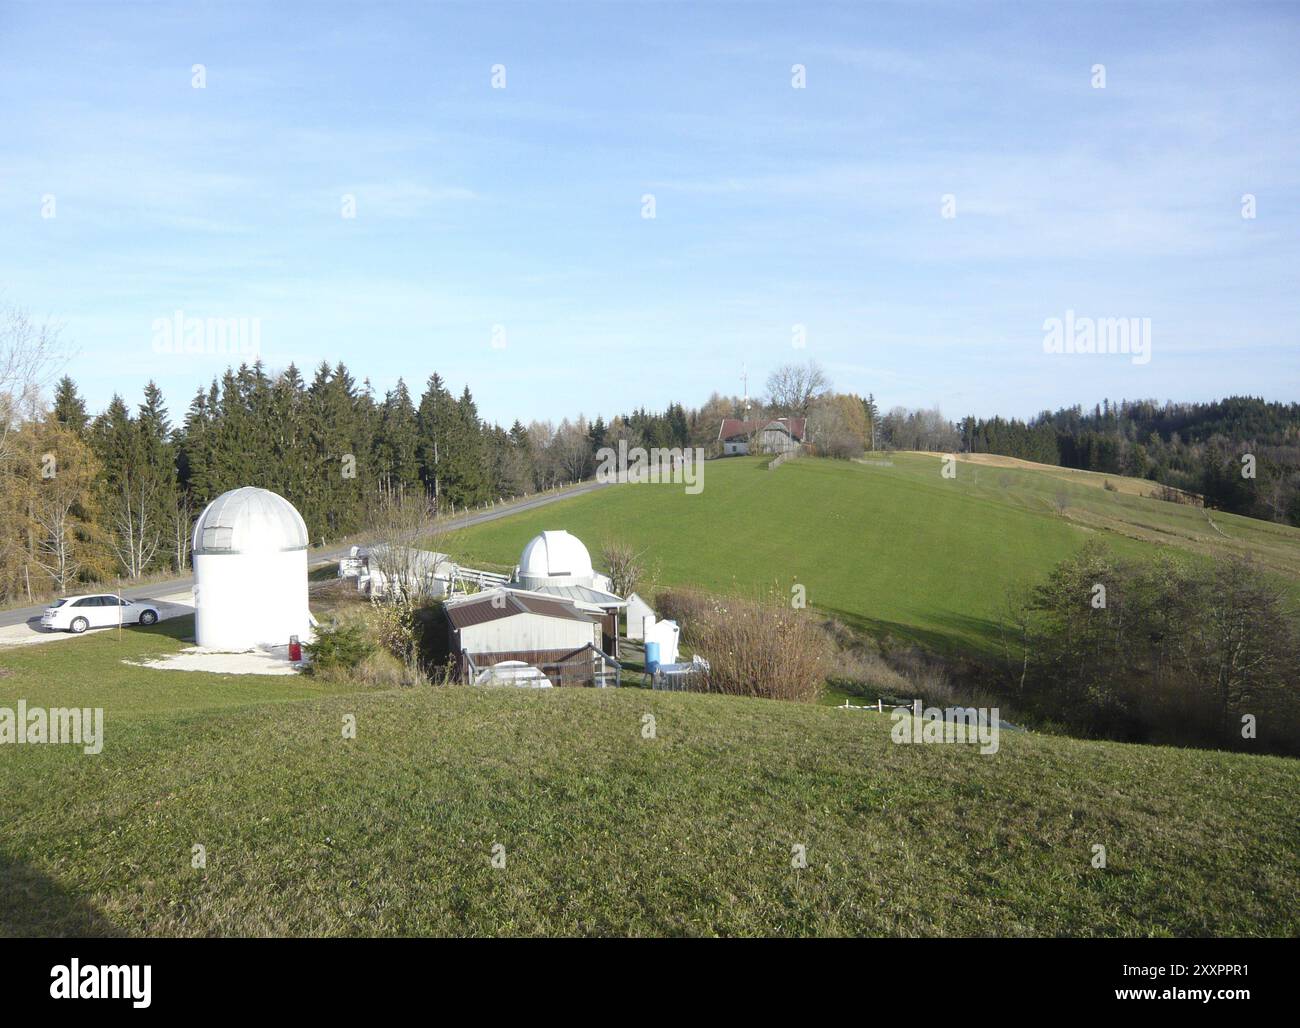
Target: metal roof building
(508,624)
(557,564)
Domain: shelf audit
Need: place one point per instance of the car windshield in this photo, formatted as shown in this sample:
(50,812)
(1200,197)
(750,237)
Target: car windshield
(59,603)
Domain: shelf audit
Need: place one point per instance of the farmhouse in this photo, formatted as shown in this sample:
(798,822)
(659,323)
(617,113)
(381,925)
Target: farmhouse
(546,632)
(765,435)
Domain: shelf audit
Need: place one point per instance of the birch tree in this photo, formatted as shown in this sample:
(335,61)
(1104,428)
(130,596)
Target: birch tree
(137,533)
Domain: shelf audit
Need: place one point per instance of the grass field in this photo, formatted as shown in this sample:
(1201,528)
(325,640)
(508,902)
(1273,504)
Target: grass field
(691,832)
(890,546)
(605,832)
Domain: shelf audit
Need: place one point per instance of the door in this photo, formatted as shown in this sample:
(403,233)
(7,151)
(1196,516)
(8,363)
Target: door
(95,611)
(106,613)
(88,609)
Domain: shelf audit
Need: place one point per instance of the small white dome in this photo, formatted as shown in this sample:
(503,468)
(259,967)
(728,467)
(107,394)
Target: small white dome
(558,556)
(249,520)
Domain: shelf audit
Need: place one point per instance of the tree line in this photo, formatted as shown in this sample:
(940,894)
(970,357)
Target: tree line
(1241,454)
(1166,650)
(91,498)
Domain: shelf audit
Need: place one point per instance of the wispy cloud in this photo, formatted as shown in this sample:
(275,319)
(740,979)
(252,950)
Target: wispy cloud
(522,206)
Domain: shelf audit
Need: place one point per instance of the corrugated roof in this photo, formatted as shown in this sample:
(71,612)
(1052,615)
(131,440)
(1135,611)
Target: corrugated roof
(734,428)
(481,608)
(582,594)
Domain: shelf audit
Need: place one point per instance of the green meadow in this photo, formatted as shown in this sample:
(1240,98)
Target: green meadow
(601,830)
(889,546)
(696,830)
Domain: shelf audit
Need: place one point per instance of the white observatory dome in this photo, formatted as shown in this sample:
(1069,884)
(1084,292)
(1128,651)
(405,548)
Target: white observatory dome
(555,558)
(249,520)
(250,571)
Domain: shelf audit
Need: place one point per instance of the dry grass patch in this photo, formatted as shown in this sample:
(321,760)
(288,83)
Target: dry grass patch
(758,646)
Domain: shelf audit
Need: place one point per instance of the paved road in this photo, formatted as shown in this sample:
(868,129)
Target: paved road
(24,615)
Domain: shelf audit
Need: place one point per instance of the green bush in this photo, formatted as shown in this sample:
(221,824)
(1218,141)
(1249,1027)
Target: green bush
(339,647)
(396,626)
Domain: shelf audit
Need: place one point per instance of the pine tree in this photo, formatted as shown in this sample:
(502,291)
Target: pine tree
(397,445)
(873,418)
(69,407)
(471,480)
(138,476)
(436,420)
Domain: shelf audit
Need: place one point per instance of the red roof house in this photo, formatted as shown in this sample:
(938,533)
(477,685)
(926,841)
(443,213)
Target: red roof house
(765,435)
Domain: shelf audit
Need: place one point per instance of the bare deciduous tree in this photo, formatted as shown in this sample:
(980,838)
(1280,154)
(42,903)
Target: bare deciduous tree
(405,534)
(924,429)
(572,451)
(56,546)
(28,353)
(182,521)
(792,388)
(1245,614)
(625,565)
(137,535)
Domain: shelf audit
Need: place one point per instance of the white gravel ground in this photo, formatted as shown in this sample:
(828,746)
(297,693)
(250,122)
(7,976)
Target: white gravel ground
(270,661)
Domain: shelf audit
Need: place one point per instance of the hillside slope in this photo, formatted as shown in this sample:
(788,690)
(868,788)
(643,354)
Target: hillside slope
(604,831)
(888,545)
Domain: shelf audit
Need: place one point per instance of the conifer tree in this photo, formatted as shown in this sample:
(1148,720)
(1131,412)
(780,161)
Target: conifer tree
(397,444)
(69,408)
(436,420)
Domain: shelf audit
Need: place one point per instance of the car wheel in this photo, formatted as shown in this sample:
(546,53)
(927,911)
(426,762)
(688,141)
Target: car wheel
(79,625)
(148,617)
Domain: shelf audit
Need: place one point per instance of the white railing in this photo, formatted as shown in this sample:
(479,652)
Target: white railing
(477,578)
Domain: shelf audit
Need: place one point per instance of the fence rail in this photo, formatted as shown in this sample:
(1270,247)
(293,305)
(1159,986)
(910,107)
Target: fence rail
(781,458)
(475,577)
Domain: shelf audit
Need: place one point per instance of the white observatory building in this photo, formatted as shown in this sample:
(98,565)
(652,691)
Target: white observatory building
(556,559)
(250,571)
(557,564)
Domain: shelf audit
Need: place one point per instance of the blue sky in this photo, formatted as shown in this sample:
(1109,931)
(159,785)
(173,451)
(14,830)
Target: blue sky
(775,207)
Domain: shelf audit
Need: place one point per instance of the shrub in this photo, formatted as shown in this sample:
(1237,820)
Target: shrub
(395,626)
(339,647)
(1179,651)
(625,564)
(755,647)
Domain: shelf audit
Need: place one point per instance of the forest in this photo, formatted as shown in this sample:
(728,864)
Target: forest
(1241,454)
(93,497)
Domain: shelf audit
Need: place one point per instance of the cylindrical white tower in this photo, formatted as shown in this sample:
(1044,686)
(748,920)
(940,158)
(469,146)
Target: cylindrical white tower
(250,571)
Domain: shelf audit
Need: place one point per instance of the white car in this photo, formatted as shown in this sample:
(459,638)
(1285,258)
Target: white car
(77,613)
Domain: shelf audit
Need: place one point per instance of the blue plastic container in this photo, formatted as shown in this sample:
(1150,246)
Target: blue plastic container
(652,657)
